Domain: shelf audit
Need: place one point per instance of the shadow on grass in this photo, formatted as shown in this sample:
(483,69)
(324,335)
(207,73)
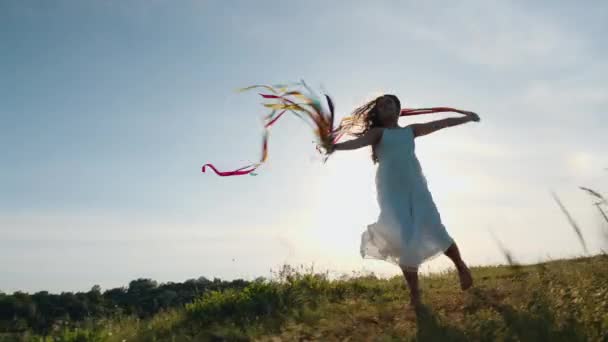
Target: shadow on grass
(536,322)
(430,328)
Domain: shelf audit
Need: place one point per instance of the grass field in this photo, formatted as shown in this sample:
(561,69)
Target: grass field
(562,300)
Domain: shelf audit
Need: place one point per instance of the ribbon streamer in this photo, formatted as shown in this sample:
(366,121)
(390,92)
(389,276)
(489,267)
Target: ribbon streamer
(304,104)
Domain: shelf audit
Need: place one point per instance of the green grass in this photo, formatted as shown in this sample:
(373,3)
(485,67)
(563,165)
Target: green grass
(564,300)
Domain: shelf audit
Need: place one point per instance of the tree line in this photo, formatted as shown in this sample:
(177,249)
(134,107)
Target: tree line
(43,311)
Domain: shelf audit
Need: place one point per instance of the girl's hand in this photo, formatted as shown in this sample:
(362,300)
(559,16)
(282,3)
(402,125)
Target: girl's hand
(473,116)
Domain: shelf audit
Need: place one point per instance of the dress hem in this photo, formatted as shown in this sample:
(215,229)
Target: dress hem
(406,267)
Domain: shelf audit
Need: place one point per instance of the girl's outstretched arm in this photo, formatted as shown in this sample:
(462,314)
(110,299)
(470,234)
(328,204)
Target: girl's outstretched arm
(371,137)
(433,126)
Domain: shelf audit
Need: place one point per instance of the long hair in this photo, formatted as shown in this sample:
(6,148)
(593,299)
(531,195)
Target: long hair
(365,118)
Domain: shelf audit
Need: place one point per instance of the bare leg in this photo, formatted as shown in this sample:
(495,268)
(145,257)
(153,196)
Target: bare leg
(411,277)
(466,280)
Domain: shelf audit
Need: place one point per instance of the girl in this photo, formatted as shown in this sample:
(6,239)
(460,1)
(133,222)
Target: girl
(409,228)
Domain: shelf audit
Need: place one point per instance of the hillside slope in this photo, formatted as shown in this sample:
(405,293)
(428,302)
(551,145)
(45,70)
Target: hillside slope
(564,300)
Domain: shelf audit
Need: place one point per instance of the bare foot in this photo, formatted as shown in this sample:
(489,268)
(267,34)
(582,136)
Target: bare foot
(466,280)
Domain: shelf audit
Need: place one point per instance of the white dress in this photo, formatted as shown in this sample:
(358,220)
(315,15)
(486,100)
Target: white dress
(409,228)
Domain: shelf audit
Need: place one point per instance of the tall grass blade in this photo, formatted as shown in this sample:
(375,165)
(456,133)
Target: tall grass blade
(594,193)
(504,251)
(573,223)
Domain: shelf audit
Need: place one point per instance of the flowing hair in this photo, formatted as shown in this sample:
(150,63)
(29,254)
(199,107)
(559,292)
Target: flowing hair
(365,118)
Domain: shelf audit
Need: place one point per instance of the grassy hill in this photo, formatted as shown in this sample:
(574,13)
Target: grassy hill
(563,300)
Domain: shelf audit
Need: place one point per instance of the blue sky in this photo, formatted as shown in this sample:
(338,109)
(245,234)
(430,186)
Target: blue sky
(109,108)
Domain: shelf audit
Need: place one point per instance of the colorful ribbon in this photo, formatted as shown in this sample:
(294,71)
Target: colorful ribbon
(304,104)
